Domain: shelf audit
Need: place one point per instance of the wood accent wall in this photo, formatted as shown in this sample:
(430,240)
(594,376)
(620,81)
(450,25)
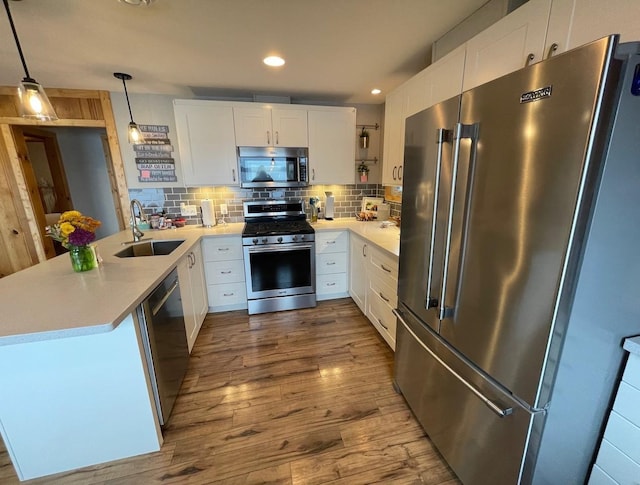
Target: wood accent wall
(21,243)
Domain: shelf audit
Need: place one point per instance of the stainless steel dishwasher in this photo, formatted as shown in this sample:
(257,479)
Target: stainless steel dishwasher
(165,342)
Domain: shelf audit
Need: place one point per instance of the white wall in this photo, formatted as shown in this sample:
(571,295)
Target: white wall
(87,175)
(147,109)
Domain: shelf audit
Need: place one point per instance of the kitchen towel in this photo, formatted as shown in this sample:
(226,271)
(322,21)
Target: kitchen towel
(208,213)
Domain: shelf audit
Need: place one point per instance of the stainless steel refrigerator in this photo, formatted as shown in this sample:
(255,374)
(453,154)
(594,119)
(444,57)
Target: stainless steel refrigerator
(519,268)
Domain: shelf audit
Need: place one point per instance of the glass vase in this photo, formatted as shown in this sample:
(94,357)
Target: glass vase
(82,258)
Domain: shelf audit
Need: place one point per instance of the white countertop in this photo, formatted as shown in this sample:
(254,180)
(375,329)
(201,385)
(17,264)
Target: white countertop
(50,301)
(387,238)
(632,344)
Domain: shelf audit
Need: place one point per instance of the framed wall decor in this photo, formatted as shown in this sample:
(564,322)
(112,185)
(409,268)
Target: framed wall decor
(370,204)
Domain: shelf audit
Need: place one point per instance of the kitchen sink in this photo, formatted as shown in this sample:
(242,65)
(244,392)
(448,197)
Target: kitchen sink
(149,248)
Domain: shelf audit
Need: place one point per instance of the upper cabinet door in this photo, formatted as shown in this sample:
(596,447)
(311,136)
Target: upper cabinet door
(446,76)
(206,142)
(289,127)
(265,126)
(508,45)
(253,126)
(393,151)
(332,146)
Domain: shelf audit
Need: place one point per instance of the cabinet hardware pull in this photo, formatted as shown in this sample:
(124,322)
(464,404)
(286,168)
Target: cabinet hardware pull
(223,249)
(268,137)
(331,284)
(400,172)
(331,242)
(228,294)
(380,322)
(383,297)
(313,174)
(277,138)
(225,272)
(552,49)
(364,250)
(385,268)
(393,173)
(233,174)
(331,263)
(529,58)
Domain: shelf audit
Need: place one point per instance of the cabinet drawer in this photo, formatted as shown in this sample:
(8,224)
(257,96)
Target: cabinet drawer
(624,435)
(327,263)
(222,248)
(626,403)
(382,317)
(224,271)
(381,288)
(616,464)
(331,283)
(384,265)
(229,294)
(332,242)
(632,371)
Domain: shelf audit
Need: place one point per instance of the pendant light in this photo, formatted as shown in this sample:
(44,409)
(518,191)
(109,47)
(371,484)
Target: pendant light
(135,135)
(34,103)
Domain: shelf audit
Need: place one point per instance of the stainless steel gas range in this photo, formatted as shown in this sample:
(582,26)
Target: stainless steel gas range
(279,256)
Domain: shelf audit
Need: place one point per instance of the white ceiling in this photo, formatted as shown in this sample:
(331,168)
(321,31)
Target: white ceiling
(336,50)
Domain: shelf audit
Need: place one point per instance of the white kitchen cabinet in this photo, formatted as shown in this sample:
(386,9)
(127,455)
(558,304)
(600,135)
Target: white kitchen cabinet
(382,293)
(573,23)
(332,265)
(618,459)
(446,76)
(266,125)
(193,291)
(393,152)
(508,45)
(206,142)
(358,271)
(332,151)
(224,272)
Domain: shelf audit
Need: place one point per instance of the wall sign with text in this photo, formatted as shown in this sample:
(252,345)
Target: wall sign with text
(154,158)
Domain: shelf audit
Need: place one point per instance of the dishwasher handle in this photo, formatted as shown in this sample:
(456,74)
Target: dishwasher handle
(166,296)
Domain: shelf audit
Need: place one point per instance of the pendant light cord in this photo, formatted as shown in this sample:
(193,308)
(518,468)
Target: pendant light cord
(126,95)
(15,36)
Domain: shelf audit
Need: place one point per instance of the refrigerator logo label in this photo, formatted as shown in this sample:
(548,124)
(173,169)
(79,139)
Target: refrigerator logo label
(536,95)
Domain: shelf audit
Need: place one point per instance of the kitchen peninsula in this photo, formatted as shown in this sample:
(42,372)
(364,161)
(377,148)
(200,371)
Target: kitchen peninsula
(75,389)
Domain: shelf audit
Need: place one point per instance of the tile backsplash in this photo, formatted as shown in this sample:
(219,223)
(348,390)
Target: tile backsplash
(348,199)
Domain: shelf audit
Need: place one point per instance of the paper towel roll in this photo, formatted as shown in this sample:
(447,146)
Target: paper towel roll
(208,213)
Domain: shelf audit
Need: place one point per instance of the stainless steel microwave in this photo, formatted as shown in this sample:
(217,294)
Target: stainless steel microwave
(273,167)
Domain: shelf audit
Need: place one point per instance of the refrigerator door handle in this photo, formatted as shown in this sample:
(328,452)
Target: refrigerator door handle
(461,131)
(500,411)
(444,136)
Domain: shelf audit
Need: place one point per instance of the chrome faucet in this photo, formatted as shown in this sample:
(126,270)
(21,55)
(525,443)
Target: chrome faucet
(137,233)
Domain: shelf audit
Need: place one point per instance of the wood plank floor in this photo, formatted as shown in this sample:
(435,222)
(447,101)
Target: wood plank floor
(298,397)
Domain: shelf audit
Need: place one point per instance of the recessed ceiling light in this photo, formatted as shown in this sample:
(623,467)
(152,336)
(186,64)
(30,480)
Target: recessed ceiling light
(375,91)
(273,61)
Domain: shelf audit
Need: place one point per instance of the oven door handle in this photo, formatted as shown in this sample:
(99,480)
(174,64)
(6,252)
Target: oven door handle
(281,247)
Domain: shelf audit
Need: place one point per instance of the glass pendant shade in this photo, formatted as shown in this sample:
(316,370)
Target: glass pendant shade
(135,135)
(34,103)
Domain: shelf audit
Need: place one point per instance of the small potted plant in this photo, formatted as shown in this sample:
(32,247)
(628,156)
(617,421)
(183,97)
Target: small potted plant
(363,170)
(364,138)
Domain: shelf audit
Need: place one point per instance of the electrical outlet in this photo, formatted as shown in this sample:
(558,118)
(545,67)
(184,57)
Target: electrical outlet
(223,209)
(188,210)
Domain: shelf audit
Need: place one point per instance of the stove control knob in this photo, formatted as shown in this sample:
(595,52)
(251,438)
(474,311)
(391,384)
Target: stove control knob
(302,237)
(279,239)
(255,240)
(295,238)
(265,240)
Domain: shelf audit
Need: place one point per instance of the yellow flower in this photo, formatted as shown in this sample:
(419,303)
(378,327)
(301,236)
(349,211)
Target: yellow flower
(69,216)
(66,228)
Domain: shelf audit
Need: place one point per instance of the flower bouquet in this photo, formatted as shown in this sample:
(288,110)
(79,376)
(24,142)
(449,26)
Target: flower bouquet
(76,232)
